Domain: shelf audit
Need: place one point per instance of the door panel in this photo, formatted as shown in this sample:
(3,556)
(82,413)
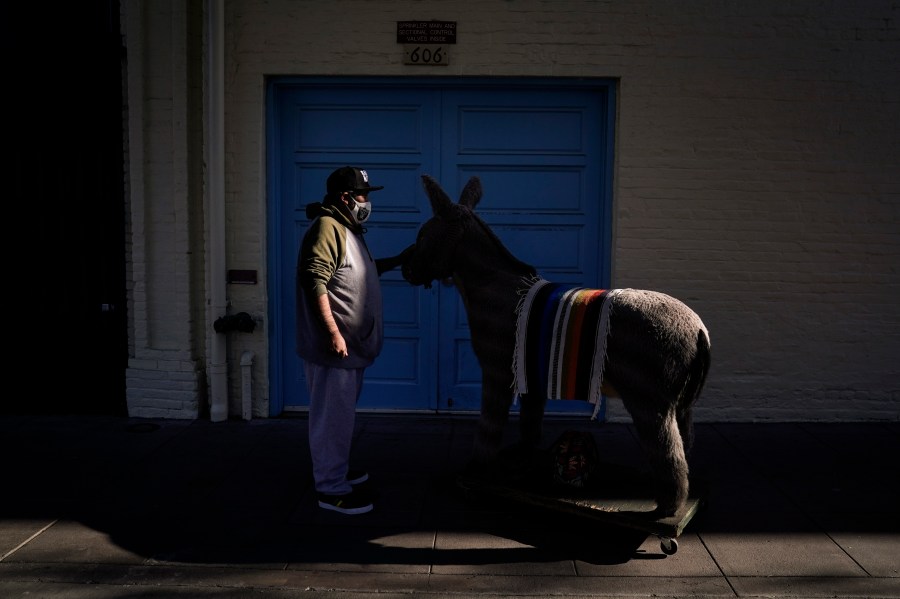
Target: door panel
(391,136)
(534,151)
(541,150)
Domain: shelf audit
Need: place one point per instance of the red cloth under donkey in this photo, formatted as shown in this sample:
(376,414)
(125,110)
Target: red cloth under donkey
(561,342)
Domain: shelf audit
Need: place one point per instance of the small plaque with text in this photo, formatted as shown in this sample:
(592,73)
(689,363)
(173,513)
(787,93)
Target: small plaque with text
(426,32)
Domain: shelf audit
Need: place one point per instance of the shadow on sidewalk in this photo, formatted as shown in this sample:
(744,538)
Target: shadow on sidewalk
(127,490)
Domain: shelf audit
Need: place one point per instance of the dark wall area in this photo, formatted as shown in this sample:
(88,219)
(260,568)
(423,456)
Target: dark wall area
(64,290)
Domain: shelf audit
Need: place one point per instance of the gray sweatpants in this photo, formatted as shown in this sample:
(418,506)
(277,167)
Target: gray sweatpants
(333,393)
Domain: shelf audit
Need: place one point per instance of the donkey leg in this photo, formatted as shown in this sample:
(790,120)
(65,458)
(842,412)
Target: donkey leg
(684,413)
(527,455)
(661,440)
(531,420)
(496,399)
(685,421)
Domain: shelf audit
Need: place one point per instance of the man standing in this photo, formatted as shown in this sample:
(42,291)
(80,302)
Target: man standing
(339,330)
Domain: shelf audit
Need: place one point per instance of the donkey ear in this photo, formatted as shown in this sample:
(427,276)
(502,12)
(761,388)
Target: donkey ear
(471,193)
(440,201)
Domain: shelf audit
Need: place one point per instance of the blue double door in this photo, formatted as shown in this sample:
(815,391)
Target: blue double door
(542,149)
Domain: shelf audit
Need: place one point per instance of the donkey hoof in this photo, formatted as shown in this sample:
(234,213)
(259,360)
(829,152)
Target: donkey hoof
(666,509)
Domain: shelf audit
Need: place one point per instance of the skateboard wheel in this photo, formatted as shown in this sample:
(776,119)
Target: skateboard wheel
(668,546)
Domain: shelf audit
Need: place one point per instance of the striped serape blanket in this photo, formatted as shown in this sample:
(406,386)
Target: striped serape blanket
(561,337)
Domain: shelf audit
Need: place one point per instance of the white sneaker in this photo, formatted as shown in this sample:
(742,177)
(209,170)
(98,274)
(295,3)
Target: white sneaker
(355,477)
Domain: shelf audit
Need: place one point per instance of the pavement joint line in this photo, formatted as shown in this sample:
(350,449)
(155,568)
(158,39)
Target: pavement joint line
(26,541)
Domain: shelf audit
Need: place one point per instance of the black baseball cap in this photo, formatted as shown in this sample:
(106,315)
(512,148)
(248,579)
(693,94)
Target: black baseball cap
(349,178)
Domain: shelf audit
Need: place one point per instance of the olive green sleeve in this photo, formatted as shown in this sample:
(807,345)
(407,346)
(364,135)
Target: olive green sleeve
(322,252)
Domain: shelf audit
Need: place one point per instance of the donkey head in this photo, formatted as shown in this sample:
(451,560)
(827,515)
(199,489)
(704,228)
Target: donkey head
(439,237)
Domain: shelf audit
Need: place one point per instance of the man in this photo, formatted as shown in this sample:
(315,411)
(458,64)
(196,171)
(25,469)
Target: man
(339,330)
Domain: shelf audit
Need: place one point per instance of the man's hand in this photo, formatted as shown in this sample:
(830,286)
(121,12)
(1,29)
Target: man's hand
(385,264)
(338,345)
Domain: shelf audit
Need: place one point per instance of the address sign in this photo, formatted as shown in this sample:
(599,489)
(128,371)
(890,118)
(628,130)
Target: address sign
(425,42)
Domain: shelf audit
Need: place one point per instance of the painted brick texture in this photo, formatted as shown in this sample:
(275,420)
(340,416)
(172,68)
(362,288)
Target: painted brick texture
(756,169)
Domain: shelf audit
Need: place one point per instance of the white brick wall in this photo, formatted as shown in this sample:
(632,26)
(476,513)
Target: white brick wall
(164,376)
(756,171)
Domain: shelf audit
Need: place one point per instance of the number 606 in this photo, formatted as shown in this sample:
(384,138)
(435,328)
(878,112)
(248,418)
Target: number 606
(426,55)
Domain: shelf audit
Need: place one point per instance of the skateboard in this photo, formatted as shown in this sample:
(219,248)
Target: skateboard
(616,495)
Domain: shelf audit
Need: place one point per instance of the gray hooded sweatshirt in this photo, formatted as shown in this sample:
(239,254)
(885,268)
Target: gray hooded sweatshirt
(334,259)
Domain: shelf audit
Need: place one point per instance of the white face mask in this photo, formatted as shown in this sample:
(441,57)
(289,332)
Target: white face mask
(361,211)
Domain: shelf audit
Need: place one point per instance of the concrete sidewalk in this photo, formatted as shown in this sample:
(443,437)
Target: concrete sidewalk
(103,507)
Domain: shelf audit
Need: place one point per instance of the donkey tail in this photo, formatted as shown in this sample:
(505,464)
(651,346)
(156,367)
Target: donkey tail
(693,387)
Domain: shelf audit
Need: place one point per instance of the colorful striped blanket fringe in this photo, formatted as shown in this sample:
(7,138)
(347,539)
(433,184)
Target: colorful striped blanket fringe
(561,334)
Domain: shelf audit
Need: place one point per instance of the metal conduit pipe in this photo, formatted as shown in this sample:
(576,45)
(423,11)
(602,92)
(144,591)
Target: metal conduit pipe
(247,385)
